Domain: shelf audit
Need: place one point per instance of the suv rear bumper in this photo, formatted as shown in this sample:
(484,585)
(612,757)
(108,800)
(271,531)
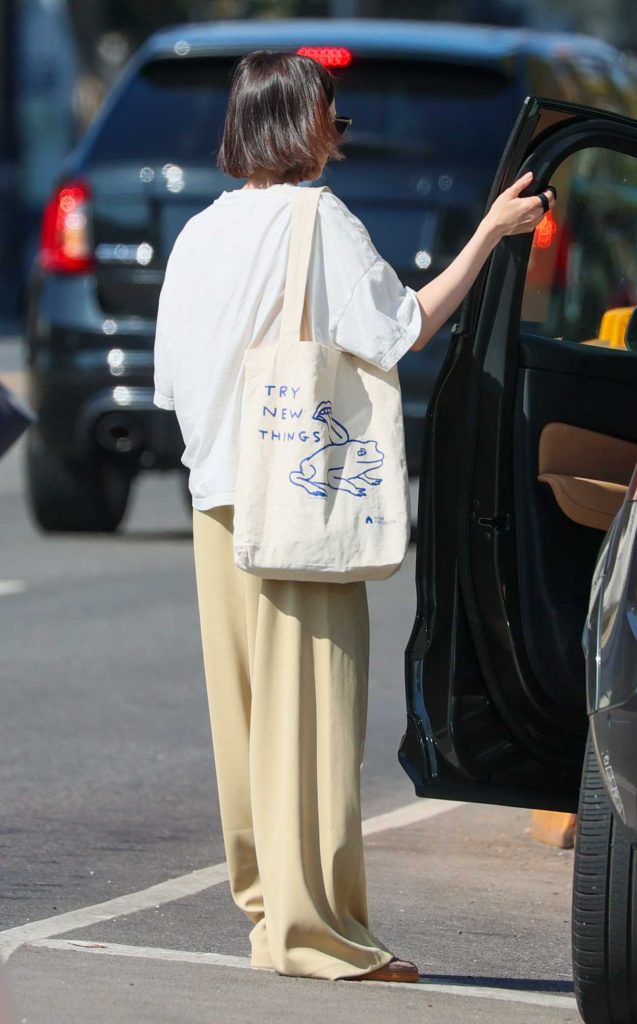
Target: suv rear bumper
(90,379)
(118,421)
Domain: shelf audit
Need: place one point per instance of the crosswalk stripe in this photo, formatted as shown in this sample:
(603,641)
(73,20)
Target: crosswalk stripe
(186,885)
(424,987)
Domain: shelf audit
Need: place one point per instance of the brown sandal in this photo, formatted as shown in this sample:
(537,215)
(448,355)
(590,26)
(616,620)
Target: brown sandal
(395,970)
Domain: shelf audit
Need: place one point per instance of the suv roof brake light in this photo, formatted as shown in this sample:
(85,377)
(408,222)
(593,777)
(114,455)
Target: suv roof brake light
(328,56)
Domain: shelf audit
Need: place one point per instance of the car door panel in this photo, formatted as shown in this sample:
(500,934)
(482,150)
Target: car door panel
(588,472)
(556,556)
(538,353)
(495,673)
(584,500)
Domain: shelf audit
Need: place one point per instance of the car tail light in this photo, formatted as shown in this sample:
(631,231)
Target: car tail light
(545,232)
(328,56)
(65,243)
(632,487)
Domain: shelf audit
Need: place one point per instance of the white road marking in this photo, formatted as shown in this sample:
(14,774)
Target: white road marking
(120,906)
(183,956)
(420,810)
(12,587)
(221,960)
(185,885)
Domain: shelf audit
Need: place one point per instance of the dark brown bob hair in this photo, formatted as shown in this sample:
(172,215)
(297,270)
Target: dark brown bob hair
(278,118)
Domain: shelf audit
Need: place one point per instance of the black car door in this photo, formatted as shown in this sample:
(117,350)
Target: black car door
(527,451)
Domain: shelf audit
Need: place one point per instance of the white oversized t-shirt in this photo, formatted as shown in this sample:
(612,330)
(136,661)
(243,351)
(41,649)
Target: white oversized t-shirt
(223,291)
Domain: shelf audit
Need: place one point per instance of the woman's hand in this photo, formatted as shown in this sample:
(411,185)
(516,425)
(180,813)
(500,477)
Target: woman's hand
(510,215)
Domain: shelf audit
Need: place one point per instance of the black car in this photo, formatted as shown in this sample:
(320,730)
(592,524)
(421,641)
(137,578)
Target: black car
(432,106)
(530,442)
(604,913)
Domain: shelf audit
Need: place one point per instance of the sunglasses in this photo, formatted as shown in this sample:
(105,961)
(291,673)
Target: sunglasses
(342,123)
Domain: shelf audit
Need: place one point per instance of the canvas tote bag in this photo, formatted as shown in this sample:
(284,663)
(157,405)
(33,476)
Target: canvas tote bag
(322,489)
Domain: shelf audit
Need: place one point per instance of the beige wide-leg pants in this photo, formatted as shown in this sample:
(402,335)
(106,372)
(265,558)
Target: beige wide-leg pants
(286,667)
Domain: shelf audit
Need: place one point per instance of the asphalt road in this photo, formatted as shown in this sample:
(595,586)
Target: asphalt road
(107,788)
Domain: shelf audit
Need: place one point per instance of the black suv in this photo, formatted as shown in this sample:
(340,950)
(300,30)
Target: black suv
(530,444)
(432,107)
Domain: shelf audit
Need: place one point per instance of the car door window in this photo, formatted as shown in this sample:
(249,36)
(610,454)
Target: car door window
(581,281)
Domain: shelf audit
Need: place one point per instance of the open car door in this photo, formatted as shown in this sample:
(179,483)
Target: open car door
(530,439)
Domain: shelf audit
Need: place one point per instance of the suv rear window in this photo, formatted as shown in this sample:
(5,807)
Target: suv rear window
(172,111)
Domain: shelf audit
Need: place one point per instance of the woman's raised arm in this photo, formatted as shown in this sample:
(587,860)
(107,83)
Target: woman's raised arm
(509,215)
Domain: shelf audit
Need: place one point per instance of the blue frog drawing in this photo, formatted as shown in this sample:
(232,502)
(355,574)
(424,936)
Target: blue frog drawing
(347,465)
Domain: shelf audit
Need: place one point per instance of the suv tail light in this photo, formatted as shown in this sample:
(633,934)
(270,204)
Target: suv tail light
(632,487)
(65,243)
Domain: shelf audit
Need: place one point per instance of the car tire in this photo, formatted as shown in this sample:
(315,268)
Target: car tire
(604,922)
(73,496)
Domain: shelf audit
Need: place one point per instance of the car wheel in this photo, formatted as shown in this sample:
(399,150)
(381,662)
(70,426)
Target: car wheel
(73,496)
(604,907)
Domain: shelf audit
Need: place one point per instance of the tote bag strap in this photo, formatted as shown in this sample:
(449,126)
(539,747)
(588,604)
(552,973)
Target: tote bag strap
(301,233)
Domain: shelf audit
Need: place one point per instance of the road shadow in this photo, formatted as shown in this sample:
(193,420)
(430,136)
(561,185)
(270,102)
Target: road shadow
(150,535)
(555,985)
(125,536)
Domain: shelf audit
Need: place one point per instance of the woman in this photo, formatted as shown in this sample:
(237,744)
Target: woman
(286,663)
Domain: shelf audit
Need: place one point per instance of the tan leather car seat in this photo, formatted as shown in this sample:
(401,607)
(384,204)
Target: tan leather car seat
(587,472)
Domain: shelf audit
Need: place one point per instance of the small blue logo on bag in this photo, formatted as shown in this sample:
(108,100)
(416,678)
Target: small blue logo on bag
(368,519)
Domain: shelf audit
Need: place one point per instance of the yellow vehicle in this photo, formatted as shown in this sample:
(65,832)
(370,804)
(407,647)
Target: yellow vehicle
(612,330)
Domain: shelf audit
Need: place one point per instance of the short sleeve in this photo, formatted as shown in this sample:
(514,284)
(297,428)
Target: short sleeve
(163,396)
(357,302)
(382,320)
